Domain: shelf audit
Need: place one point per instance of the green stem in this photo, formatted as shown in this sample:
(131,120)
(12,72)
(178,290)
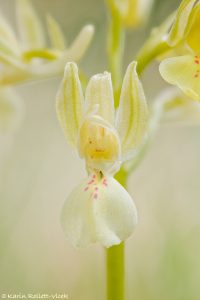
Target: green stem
(115,261)
(115,255)
(115,272)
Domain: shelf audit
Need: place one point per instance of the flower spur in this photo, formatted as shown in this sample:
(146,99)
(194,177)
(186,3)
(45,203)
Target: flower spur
(99,208)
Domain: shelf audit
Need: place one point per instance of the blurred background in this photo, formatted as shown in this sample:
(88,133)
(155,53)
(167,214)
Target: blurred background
(39,169)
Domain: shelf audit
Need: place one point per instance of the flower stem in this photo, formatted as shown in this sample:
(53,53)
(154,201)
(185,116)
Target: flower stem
(115,255)
(115,272)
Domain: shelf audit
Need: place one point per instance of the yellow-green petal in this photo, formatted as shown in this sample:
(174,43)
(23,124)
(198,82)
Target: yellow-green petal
(69,103)
(184,72)
(132,12)
(193,37)
(29,26)
(137,12)
(8,41)
(99,92)
(55,33)
(73,53)
(119,6)
(81,43)
(179,28)
(133,112)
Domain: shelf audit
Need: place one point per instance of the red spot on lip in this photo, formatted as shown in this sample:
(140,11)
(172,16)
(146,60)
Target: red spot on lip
(94,176)
(105,182)
(90,182)
(196,61)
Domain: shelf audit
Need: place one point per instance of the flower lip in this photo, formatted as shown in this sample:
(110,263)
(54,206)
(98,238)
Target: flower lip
(99,209)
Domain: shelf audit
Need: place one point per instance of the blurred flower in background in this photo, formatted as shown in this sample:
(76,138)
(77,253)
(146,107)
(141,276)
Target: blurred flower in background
(28,57)
(132,12)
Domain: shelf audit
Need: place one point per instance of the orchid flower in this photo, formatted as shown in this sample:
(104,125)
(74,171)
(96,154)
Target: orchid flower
(132,12)
(99,209)
(184,70)
(28,57)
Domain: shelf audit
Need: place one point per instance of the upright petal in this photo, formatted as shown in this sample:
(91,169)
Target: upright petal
(30,28)
(8,41)
(73,53)
(183,21)
(184,72)
(99,91)
(69,103)
(121,6)
(81,43)
(133,113)
(98,209)
(131,12)
(137,12)
(55,33)
(193,37)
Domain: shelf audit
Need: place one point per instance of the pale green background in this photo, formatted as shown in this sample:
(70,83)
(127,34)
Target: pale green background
(39,170)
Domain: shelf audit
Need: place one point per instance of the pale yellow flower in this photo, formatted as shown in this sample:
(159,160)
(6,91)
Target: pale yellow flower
(27,56)
(100,209)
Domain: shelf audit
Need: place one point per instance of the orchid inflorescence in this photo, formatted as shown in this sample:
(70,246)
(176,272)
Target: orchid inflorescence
(108,136)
